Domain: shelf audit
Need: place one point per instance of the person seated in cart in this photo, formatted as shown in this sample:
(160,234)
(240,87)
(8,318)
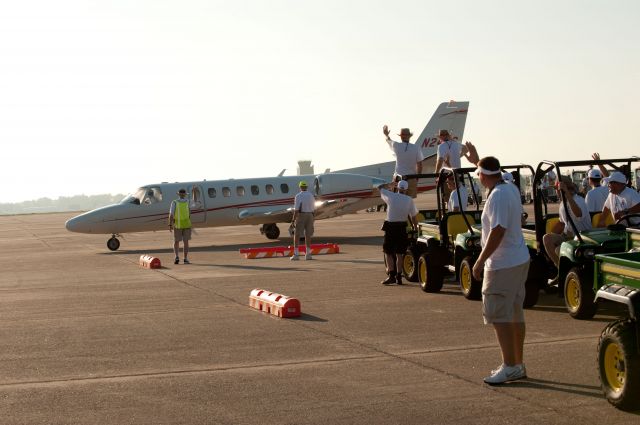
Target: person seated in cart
(622,200)
(455,204)
(562,230)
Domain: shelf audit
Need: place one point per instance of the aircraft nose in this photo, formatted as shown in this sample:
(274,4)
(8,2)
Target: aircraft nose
(82,223)
(72,224)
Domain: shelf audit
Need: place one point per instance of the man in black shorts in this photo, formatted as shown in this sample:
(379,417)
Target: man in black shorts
(400,209)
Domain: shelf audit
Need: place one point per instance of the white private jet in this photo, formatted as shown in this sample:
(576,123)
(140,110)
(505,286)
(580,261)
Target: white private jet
(267,200)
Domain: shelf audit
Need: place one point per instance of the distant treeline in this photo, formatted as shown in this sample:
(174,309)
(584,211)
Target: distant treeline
(62,204)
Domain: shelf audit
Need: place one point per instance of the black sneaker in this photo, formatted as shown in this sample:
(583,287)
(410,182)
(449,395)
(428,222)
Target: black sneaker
(186,261)
(399,279)
(389,280)
(176,261)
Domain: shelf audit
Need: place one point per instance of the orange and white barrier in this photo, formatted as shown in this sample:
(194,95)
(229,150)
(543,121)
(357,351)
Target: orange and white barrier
(149,262)
(287,251)
(276,304)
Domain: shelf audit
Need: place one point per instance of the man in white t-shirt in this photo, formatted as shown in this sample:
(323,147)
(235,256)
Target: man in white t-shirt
(409,157)
(622,200)
(503,265)
(449,151)
(400,209)
(304,206)
(562,230)
(598,194)
(454,204)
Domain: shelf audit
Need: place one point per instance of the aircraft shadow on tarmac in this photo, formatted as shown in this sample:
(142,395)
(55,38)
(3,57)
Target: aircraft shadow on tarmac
(342,240)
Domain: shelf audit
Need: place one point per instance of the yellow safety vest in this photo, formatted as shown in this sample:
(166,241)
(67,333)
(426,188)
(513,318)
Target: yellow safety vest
(181,216)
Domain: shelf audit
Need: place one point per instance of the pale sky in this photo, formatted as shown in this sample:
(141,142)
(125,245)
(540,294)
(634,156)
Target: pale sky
(103,96)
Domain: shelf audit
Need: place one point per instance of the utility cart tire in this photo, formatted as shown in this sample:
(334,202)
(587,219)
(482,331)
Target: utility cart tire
(431,275)
(619,364)
(531,293)
(410,265)
(470,287)
(578,294)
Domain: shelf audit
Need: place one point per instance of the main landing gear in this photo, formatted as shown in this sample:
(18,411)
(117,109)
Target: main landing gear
(270,230)
(113,244)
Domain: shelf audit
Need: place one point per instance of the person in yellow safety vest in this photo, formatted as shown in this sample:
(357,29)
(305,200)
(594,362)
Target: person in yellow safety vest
(180,224)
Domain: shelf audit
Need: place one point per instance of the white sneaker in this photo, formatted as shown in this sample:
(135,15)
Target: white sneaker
(308,257)
(506,374)
(294,257)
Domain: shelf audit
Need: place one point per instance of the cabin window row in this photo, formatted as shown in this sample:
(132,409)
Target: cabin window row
(226,191)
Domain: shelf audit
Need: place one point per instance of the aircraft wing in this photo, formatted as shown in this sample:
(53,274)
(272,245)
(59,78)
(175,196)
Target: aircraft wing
(276,214)
(324,209)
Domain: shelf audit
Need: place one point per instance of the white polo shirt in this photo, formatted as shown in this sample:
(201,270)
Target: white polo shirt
(503,208)
(400,206)
(407,157)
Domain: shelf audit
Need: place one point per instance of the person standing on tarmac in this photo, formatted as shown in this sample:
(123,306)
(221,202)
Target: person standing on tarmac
(502,266)
(303,209)
(409,157)
(180,225)
(401,208)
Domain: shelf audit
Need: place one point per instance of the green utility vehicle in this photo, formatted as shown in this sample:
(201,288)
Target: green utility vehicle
(618,278)
(467,246)
(434,247)
(574,274)
(450,241)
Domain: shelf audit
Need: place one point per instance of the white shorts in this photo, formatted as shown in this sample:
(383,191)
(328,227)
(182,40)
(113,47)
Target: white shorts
(503,293)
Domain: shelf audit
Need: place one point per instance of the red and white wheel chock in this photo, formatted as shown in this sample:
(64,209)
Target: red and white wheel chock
(276,304)
(149,262)
(287,251)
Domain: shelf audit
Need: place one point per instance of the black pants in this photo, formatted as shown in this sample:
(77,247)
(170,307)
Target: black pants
(396,240)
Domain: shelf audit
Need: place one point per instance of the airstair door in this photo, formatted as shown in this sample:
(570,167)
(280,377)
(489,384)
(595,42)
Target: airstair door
(198,207)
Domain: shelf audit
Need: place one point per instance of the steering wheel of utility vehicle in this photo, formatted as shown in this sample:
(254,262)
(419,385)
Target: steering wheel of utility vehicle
(626,219)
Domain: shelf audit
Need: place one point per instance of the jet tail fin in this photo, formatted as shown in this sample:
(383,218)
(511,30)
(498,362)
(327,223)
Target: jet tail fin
(450,116)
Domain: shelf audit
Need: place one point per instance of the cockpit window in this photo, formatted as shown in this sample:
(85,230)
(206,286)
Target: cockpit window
(152,195)
(144,196)
(134,198)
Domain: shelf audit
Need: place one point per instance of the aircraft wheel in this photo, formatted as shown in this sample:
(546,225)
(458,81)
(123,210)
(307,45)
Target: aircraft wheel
(113,244)
(271,231)
(431,276)
(619,364)
(579,295)
(471,288)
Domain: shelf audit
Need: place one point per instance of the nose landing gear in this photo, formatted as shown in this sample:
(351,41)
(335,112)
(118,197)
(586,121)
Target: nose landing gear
(113,244)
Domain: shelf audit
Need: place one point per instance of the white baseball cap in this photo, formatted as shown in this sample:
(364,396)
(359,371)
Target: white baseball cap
(403,185)
(594,174)
(507,176)
(617,177)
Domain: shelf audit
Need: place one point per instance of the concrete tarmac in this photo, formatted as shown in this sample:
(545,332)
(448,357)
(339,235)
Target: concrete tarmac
(89,337)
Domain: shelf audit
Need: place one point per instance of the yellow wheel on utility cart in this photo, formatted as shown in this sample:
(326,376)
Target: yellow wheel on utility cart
(614,370)
(619,364)
(579,296)
(572,293)
(470,287)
